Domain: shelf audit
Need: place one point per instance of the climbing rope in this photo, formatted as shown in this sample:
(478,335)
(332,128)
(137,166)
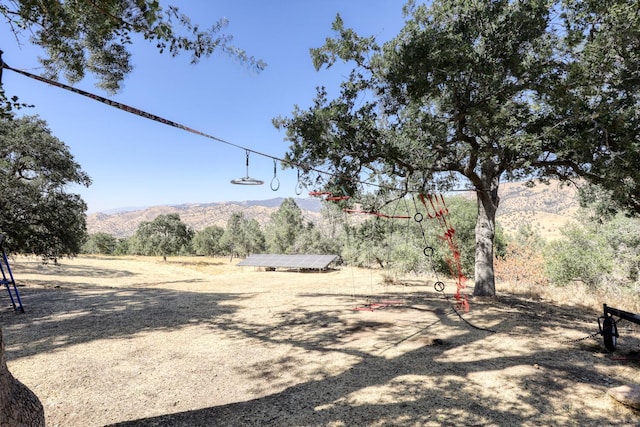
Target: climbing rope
(438,212)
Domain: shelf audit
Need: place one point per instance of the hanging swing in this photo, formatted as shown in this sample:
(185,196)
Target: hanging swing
(275,182)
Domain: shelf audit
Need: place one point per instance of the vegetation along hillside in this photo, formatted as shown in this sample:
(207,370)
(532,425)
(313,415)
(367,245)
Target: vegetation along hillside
(546,208)
(196,215)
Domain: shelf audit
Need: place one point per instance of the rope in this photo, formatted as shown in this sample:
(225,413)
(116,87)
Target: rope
(439,211)
(455,265)
(429,252)
(439,287)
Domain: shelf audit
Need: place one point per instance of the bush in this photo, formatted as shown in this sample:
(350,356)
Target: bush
(583,255)
(622,234)
(99,243)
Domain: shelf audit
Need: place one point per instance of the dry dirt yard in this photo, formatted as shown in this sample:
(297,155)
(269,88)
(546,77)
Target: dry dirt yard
(202,342)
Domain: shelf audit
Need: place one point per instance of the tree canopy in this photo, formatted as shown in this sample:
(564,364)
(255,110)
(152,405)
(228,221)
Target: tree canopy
(596,100)
(207,241)
(94,37)
(165,235)
(39,215)
(242,237)
(284,228)
(100,243)
(474,93)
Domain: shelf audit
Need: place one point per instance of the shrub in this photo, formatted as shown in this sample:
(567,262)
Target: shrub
(583,255)
(523,261)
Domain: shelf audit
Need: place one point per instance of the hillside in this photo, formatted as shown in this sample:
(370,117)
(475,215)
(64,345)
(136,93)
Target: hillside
(196,215)
(545,207)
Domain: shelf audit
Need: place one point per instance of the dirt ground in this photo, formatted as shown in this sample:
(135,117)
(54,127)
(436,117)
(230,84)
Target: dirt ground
(202,342)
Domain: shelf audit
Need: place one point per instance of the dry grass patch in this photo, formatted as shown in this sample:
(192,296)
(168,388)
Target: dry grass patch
(195,342)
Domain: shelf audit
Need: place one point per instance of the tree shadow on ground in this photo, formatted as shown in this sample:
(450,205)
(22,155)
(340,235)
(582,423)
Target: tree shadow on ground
(432,383)
(72,271)
(63,316)
(414,364)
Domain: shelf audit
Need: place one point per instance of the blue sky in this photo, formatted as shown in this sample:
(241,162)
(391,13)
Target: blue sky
(137,162)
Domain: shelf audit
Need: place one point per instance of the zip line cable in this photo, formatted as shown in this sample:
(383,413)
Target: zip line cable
(156,118)
(125,107)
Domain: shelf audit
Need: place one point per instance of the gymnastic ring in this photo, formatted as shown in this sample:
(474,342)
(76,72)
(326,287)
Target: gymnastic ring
(276,186)
(418,217)
(429,254)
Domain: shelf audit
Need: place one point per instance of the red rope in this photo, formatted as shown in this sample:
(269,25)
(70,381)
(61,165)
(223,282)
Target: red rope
(378,214)
(439,211)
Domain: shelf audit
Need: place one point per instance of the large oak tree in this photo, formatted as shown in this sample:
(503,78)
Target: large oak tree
(468,93)
(39,215)
(165,235)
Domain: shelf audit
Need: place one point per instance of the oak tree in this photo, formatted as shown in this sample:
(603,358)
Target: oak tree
(165,235)
(100,243)
(39,215)
(472,94)
(207,241)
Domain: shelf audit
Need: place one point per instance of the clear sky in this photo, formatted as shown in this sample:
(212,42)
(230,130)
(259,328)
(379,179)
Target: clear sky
(136,162)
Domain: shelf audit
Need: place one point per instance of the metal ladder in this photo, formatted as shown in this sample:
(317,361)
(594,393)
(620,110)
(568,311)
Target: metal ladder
(7,279)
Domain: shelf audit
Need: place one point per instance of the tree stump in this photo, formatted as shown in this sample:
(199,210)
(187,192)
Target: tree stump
(19,406)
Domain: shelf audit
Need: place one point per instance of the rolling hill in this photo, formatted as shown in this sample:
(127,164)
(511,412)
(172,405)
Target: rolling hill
(196,215)
(546,208)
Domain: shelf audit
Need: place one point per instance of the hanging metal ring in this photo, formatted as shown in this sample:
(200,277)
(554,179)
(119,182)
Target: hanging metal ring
(275,182)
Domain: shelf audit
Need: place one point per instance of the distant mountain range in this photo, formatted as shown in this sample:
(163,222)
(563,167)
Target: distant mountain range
(546,208)
(124,222)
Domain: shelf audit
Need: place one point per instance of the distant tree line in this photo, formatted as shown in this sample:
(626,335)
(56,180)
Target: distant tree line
(399,245)
(601,251)
(287,232)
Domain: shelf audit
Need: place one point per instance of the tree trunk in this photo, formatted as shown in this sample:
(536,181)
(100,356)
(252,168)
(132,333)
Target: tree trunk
(485,282)
(19,406)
